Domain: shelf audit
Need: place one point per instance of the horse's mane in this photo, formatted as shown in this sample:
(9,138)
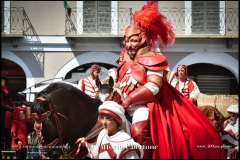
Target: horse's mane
(59,85)
(63,88)
(213,113)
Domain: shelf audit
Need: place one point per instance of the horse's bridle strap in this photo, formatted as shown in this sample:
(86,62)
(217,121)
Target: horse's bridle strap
(60,114)
(42,117)
(55,114)
(54,143)
(41,98)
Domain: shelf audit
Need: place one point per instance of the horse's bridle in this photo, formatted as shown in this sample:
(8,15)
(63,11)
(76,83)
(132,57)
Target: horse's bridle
(39,118)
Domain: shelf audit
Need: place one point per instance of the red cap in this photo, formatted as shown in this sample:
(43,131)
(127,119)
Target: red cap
(95,67)
(111,114)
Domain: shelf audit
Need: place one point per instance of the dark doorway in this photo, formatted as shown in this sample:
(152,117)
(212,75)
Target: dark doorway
(213,79)
(16,76)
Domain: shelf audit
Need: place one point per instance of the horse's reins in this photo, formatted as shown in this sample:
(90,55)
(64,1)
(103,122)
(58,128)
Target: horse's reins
(93,133)
(41,118)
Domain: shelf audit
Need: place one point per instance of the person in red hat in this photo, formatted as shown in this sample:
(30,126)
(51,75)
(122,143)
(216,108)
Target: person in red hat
(89,84)
(19,133)
(6,114)
(185,85)
(161,116)
(113,141)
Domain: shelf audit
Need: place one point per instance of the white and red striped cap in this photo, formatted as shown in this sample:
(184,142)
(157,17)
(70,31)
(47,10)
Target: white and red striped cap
(113,110)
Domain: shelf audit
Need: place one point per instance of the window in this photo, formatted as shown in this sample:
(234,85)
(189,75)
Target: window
(205,17)
(97,16)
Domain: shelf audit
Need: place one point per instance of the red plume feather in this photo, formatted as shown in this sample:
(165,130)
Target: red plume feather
(155,24)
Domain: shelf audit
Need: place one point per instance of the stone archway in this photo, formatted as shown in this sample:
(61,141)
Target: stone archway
(90,57)
(220,59)
(14,58)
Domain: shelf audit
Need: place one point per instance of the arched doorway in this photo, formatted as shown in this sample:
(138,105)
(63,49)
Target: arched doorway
(213,79)
(17,78)
(83,71)
(83,62)
(220,59)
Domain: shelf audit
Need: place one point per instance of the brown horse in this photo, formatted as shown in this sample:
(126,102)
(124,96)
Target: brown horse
(214,115)
(65,114)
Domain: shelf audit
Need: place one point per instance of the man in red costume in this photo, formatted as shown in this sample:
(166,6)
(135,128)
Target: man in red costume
(185,85)
(89,84)
(160,115)
(6,114)
(19,133)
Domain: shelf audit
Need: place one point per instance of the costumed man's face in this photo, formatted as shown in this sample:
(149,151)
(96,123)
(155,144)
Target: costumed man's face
(3,82)
(233,117)
(132,44)
(95,74)
(109,124)
(181,72)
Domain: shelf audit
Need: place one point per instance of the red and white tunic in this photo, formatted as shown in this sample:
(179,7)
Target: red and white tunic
(128,84)
(188,88)
(230,137)
(88,86)
(120,145)
(133,74)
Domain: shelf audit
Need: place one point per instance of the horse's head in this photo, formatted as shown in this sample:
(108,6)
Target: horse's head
(47,125)
(105,88)
(57,111)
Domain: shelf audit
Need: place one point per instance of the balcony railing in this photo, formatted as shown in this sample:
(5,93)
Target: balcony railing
(189,22)
(200,21)
(15,23)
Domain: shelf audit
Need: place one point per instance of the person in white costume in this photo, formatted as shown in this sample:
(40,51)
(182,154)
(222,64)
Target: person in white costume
(113,141)
(230,134)
(89,84)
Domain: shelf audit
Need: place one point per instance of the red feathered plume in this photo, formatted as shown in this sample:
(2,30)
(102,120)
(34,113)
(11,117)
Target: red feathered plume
(155,24)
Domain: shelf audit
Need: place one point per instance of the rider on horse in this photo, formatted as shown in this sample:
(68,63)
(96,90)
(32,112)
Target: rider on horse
(160,115)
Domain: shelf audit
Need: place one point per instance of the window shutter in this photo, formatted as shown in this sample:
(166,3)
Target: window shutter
(104,16)
(214,84)
(89,16)
(198,16)
(205,17)
(97,16)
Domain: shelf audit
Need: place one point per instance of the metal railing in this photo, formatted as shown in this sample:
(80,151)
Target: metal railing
(185,21)
(203,21)
(16,23)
